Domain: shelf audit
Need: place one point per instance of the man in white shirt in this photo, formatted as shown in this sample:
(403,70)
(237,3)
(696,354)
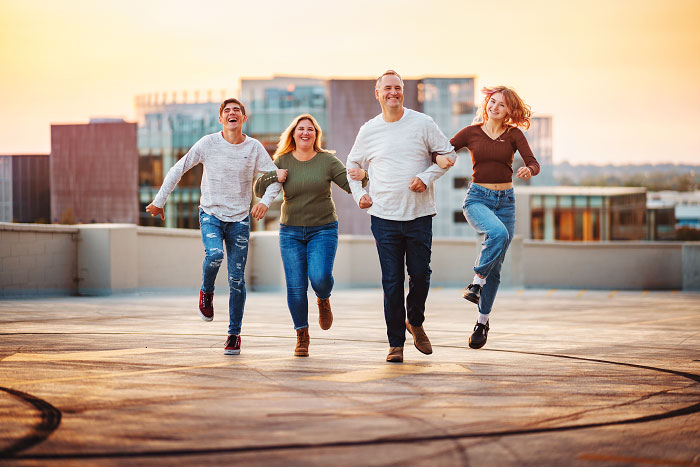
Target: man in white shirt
(231,160)
(395,147)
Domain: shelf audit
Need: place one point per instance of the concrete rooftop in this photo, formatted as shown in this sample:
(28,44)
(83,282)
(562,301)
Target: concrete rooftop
(591,378)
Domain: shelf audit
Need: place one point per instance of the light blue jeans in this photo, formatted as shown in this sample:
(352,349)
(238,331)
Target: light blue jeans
(308,254)
(491,213)
(216,233)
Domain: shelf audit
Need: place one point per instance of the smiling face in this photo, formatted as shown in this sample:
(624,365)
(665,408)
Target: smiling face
(496,107)
(232,116)
(304,134)
(389,93)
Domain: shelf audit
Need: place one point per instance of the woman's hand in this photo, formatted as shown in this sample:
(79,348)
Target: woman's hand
(356,173)
(524,172)
(444,162)
(281,175)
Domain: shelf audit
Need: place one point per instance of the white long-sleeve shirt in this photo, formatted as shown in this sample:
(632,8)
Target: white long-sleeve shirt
(393,153)
(227,179)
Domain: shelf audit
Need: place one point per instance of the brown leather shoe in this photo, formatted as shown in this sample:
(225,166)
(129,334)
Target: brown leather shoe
(420,339)
(325,316)
(302,348)
(395,355)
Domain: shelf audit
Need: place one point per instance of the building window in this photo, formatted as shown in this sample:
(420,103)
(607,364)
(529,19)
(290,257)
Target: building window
(461,182)
(458,217)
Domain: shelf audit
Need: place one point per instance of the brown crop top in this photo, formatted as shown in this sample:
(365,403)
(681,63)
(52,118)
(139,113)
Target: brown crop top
(492,159)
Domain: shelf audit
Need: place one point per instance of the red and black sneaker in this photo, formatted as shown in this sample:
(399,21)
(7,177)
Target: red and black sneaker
(206,305)
(233,345)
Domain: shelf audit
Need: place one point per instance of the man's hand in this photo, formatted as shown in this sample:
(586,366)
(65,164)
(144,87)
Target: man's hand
(524,172)
(444,162)
(281,175)
(154,210)
(417,185)
(258,211)
(365,202)
(356,173)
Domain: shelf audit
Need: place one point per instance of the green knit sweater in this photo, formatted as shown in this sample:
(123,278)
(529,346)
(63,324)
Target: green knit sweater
(306,192)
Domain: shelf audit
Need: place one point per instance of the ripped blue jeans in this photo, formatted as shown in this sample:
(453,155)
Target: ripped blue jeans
(235,235)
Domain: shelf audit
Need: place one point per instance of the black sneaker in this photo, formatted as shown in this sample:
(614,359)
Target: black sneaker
(478,337)
(472,293)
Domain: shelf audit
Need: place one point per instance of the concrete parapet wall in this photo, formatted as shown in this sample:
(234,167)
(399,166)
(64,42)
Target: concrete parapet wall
(38,259)
(603,265)
(172,259)
(100,259)
(691,266)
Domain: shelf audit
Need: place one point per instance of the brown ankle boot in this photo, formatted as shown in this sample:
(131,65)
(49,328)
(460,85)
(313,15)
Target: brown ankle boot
(325,316)
(302,348)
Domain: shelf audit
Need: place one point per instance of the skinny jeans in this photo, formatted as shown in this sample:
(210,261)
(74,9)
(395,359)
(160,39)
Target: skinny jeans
(492,214)
(308,254)
(235,235)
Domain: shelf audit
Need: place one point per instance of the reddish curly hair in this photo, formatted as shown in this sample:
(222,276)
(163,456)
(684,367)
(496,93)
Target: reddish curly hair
(519,112)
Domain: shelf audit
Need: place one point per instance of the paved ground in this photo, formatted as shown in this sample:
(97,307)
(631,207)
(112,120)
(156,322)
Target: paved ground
(567,378)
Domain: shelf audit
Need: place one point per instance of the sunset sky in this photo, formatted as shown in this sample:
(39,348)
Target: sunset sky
(621,78)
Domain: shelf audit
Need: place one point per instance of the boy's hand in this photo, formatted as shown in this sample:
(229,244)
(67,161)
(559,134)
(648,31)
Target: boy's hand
(258,211)
(444,162)
(154,210)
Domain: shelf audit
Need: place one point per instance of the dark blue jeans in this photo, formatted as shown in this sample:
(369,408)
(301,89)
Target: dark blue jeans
(492,213)
(402,243)
(235,235)
(308,254)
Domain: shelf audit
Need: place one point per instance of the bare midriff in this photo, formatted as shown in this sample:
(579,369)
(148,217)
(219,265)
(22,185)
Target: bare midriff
(496,186)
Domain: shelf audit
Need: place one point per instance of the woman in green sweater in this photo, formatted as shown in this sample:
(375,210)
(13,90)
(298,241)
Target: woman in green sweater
(309,224)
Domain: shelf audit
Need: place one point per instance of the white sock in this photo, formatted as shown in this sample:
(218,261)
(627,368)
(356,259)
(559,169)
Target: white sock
(483,319)
(478,280)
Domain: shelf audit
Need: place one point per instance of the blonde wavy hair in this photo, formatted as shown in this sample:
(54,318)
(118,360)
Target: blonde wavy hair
(286,143)
(519,112)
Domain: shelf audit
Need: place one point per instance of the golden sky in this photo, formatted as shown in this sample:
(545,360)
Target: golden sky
(621,78)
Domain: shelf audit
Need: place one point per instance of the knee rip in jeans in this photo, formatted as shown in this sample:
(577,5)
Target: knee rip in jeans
(241,240)
(235,282)
(211,235)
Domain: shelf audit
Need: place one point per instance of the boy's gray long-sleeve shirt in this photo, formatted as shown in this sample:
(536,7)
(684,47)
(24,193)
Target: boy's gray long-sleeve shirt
(393,153)
(227,179)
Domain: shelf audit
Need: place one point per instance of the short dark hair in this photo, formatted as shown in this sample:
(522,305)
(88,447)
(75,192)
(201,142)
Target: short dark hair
(231,100)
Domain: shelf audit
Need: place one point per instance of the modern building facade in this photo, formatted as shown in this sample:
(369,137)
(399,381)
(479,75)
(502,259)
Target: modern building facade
(94,172)
(581,213)
(539,135)
(686,206)
(25,188)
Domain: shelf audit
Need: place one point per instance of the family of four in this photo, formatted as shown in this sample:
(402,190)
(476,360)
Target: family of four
(392,167)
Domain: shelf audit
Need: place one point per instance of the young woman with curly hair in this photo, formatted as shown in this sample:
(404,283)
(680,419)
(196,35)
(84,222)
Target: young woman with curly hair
(489,206)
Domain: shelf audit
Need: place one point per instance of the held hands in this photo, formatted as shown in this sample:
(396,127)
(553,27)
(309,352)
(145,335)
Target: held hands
(444,162)
(417,185)
(356,173)
(154,210)
(281,175)
(258,211)
(524,172)
(365,202)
